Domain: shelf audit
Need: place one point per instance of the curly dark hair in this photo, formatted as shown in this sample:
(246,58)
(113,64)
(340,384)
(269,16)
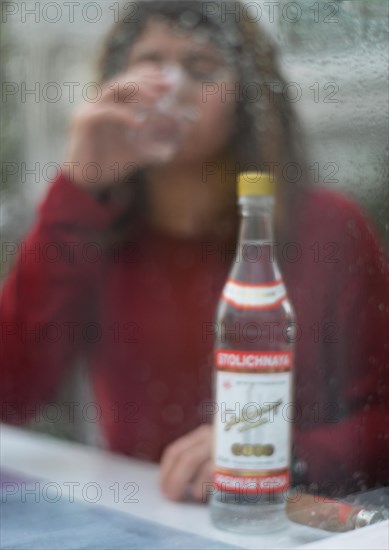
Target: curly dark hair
(267,129)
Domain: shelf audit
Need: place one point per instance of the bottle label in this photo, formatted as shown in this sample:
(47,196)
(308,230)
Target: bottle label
(253,420)
(252,296)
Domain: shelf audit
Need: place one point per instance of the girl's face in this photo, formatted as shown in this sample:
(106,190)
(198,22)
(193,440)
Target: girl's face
(211,87)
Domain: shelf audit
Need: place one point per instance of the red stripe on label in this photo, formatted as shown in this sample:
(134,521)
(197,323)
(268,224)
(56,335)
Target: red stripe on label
(255,360)
(244,306)
(251,484)
(250,285)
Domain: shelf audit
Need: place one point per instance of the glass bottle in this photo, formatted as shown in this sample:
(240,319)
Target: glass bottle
(253,354)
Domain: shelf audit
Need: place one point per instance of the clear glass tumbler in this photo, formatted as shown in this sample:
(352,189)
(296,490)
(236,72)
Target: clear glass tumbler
(168,121)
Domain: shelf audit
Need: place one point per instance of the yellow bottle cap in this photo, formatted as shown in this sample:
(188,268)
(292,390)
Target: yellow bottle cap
(255,183)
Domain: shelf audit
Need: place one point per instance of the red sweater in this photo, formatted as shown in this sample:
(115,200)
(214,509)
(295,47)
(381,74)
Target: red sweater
(141,314)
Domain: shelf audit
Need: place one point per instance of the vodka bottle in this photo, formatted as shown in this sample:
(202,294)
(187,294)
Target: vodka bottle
(253,358)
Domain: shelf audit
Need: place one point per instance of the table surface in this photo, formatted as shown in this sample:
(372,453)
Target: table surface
(131,486)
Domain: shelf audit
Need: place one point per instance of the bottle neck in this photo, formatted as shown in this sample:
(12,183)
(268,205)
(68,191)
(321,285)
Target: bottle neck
(256,219)
(255,257)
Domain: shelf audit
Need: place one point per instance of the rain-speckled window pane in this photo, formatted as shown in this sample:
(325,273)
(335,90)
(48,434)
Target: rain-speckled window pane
(312,104)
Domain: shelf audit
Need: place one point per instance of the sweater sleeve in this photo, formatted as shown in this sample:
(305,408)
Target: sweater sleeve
(46,299)
(351,452)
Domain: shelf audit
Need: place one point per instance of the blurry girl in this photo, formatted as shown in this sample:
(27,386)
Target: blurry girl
(143,249)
